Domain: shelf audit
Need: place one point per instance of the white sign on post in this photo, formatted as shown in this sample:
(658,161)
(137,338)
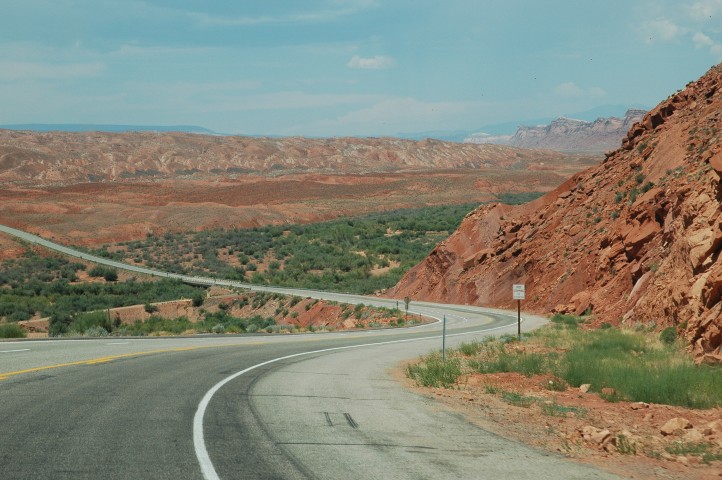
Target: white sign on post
(519,291)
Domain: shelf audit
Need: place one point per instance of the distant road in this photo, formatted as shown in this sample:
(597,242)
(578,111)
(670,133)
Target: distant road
(201,281)
(307,406)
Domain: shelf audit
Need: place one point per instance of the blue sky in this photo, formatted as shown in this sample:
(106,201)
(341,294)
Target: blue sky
(344,67)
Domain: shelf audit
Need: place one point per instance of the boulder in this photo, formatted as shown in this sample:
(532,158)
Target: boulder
(635,238)
(674,426)
(715,426)
(595,435)
(584,388)
(716,163)
(693,436)
(709,359)
(701,245)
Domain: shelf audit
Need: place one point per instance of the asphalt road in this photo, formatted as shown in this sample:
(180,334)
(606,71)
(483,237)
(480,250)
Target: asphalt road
(136,412)
(319,406)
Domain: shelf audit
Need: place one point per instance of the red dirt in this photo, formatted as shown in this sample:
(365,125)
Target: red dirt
(564,434)
(92,214)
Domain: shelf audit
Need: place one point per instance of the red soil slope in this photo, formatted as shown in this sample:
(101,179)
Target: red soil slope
(635,239)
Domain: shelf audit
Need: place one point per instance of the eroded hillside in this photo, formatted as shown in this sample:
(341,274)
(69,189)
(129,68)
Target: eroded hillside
(94,188)
(63,158)
(635,239)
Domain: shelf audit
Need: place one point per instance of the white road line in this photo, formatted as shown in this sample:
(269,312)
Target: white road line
(199,443)
(118,343)
(13,351)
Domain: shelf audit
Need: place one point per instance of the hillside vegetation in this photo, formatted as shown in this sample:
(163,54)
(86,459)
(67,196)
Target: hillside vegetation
(50,286)
(356,255)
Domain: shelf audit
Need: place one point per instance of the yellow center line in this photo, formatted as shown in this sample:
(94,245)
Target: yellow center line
(110,358)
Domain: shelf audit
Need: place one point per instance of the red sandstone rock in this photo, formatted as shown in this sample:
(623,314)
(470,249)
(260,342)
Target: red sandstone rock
(653,258)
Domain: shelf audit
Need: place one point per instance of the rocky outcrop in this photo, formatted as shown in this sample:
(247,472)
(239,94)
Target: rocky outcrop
(577,135)
(566,134)
(635,239)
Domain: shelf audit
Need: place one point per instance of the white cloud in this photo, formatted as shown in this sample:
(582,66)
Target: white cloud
(704,10)
(32,71)
(374,63)
(660,30)
(701,40)
(572,90)
(568,89)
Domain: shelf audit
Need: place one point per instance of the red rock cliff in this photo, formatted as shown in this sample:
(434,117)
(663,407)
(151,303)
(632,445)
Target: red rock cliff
(635,239)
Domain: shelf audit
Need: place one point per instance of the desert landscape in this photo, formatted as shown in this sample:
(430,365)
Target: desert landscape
(95,188)
(353,239)
(627,241)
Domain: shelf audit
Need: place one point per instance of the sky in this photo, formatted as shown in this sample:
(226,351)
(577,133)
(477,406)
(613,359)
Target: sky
(344,67)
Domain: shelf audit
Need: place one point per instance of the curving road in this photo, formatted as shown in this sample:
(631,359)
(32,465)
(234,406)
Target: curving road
(286,406)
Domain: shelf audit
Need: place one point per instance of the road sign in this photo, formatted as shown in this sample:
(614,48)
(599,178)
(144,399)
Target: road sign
(519,291)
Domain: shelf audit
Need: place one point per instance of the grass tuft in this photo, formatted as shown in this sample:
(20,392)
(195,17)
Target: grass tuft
(556,410)
(518,400)
(695,449)
(432,371)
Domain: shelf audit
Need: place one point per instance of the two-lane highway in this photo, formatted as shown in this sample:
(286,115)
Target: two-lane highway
(254,406)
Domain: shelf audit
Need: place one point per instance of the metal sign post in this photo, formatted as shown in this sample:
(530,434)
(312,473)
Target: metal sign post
(443,341)
(519,292)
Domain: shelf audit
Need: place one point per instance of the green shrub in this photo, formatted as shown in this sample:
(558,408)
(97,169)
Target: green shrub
(567,320)
(149,308)
(111,275)
(197,299)
(97,271)
(470,348)
(668,335)
(11,330)
(95,331)
(84,321)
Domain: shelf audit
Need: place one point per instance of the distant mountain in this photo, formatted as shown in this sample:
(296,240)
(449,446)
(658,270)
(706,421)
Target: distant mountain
(507,129)
(91,127)
(568,134)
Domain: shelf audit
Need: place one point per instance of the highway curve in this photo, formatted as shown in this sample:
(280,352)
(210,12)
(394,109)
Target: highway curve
(254,406)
